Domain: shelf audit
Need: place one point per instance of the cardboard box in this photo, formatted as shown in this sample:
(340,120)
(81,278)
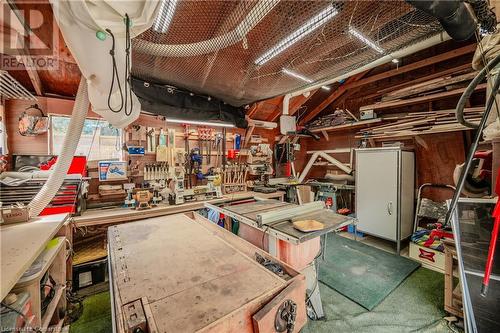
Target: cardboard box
(429,258)
(14,214)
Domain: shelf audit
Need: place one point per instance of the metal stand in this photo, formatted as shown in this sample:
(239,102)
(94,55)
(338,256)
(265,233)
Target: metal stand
(312,283)
(314,296)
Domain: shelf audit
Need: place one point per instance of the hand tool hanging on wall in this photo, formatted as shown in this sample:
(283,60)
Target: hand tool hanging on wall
(209,145)
(224,137)
(161,149)
(218,148)
(187,165)
(151,139)
(172,152)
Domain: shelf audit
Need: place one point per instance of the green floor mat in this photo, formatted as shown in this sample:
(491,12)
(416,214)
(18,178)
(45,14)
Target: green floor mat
(362,273)
(415,306)
(96,316)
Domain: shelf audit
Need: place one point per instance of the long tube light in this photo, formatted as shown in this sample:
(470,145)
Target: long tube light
(301,77)
(165,15)
(365,40)
(201,123)
(311,25)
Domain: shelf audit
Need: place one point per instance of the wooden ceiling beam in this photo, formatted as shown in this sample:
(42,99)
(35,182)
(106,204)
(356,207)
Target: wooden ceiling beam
(450,71)
(295,104)
(419,99)
(24,56)
(354,83)
(332,97)
(416,65)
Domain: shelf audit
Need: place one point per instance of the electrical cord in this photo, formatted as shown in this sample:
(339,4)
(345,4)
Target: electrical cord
(12,309)
(115,76)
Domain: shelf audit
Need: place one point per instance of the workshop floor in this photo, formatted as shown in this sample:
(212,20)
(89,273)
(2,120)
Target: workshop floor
(415,306)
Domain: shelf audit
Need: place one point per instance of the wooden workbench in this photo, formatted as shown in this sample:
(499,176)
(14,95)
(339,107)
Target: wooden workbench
(177,274)
(21,244)
(97,217)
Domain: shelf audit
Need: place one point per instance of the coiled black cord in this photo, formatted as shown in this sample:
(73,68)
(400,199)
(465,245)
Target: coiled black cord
(115,77)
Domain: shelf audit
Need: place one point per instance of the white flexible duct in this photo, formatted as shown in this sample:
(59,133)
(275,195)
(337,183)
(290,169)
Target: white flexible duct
(55,180)
(80,22)
(258,12)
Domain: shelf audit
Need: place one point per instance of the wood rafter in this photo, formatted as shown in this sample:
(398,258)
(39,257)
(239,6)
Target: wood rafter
(24,56)
(332,97)
(295,104)
(356,83)
(416,65)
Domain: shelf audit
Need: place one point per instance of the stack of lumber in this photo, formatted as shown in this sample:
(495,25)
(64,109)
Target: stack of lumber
(440,84)
(435,89)
(419,123)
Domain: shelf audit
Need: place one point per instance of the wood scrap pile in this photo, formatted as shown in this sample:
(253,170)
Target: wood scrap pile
(419,123)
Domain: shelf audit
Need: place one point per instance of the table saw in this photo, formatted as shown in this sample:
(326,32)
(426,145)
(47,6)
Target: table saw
(274,219)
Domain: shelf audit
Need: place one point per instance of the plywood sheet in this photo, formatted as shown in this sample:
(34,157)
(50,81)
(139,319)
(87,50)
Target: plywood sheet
(189,277)
(21,244)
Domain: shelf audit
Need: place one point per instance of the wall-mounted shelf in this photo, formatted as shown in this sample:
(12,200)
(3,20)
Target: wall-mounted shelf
(352,125)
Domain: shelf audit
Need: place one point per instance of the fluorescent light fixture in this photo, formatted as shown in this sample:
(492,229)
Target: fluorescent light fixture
(301,77)
(296,75)
(201,123)
(311,25)
(365,40)
(165,15)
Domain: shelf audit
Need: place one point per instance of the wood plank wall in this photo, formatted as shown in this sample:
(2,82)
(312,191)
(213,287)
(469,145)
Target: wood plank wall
(434,163)
(39,145)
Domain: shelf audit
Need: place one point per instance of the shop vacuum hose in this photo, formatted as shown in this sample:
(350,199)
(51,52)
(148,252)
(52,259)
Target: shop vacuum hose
(475,143)
(55,180)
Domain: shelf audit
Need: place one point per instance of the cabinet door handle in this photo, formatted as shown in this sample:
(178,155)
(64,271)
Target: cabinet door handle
(389,208)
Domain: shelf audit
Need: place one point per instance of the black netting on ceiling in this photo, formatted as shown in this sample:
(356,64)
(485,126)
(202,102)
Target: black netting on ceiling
(244,51)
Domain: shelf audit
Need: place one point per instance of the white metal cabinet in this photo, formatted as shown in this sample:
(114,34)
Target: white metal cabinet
(385,192)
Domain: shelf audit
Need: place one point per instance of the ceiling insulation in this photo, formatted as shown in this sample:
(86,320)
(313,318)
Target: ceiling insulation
(244,51)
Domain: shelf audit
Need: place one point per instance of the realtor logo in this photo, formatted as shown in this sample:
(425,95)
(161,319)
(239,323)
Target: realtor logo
(29,37)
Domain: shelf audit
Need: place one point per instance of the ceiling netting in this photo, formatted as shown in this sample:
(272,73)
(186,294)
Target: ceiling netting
(240,51)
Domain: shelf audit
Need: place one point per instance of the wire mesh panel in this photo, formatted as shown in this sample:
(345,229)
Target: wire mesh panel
(244,51)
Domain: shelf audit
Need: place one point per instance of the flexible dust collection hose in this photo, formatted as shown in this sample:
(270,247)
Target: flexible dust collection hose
(55,180)
(470,89)
(475,143)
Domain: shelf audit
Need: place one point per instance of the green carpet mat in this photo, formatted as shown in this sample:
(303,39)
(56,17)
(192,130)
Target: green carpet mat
(96,316)
(362,273)
(416,305)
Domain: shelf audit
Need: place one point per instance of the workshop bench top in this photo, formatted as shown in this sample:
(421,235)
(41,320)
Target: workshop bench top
(94,217)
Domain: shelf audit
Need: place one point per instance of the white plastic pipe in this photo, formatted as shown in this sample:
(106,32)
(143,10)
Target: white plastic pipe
(55,180)
(434,40)
(258,12)
(327,157)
